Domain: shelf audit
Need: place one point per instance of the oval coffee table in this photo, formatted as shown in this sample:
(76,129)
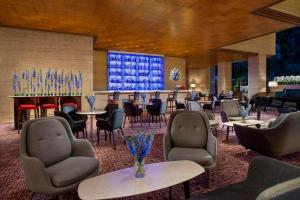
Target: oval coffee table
(122,183)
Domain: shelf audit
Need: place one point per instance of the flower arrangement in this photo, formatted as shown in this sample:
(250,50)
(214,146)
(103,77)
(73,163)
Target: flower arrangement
(139,147)
(36,82)
(91,101)
(175,74)
(287,80)
(244,113)
(230,94)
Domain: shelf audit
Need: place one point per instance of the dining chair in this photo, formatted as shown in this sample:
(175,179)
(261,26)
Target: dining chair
(113,122)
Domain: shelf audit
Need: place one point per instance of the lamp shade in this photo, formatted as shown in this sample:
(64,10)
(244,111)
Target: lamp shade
(272,84)
(193,85)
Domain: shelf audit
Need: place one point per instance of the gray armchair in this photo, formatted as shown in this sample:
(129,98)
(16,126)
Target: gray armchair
(189,138)
(230,110)
(280,138)
(267,179)
(54,162)
(196,106)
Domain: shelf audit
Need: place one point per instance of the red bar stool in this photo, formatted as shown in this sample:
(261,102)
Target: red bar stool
(25,107)
(46,107)
(47,103)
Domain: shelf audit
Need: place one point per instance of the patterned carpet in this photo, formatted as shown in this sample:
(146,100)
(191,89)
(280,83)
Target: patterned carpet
(232,163)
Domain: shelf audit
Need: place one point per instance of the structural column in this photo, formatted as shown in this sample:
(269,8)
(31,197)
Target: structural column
(224,72)
(257,74)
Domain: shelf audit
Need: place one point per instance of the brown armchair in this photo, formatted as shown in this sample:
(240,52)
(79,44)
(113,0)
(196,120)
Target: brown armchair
(54,162)
(281,138)
(189,137)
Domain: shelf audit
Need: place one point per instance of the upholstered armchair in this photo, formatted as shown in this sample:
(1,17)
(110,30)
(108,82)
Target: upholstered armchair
(76,125)
(113,122)
(196,106)
(280,138)
(230,110)
(54,162)
(189,138)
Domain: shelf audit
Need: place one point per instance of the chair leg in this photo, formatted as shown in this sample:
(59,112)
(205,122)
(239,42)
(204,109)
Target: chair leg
(209,177)
(32,195)
(165,118)
(159,121)
(98,135)
(123,135)
(113,138)
(105,135)
(18,120)
(124,121)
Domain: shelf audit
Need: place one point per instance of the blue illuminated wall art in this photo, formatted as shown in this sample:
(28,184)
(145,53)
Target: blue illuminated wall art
(135,71)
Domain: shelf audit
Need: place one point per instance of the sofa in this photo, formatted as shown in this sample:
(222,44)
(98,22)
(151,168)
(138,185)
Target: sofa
(282,137)
(266,179)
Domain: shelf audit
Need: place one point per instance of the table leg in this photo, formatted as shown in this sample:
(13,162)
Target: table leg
(91,125)
(170,193)
(186,186)
(227,134)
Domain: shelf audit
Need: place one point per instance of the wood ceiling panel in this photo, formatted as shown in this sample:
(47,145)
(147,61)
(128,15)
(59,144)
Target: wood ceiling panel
(170,27)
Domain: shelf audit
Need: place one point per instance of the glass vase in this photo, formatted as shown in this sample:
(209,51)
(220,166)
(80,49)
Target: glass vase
(91,106)
(139,167)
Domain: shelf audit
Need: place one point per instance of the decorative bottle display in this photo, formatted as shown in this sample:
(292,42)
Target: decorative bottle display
(135,72)
(49,83)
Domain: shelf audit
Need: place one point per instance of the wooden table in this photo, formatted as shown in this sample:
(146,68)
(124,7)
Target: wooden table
(91,114)
(248,122)
(122,183)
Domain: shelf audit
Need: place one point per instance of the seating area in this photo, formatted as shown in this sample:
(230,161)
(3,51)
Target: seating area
(140,100)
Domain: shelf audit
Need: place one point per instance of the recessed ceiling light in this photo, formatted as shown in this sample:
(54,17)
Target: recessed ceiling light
(137,46)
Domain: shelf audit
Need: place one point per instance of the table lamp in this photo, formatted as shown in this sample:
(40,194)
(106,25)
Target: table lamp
(193,86)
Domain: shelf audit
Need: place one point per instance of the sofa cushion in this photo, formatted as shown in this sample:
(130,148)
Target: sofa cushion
(235,118)
(200,156)
(72,170)
(189,129)
(280,189)
(48,141)
(276,121)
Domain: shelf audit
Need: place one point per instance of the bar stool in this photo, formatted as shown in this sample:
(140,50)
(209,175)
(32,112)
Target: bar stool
(171,100)
(47,103)
(113,98)
(154,95)
(135,97)
(25,108)
(74,105)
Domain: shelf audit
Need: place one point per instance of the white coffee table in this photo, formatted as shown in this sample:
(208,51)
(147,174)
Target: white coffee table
(248,122)
(91,114)
(122,183)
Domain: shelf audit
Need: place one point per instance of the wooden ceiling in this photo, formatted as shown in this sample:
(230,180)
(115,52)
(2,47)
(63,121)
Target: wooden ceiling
(179,28)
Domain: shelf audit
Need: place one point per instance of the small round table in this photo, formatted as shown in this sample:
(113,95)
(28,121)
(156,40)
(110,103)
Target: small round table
(91,114)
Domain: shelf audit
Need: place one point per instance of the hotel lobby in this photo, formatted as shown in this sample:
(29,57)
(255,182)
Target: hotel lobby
(160,99)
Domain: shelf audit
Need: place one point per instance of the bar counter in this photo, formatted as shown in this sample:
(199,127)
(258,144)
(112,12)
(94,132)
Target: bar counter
(102,96)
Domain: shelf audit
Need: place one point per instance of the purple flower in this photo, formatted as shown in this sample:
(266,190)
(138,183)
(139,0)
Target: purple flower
(33,74)
(139,145)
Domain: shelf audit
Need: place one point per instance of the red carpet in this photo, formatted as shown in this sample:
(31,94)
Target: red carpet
(231,167)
